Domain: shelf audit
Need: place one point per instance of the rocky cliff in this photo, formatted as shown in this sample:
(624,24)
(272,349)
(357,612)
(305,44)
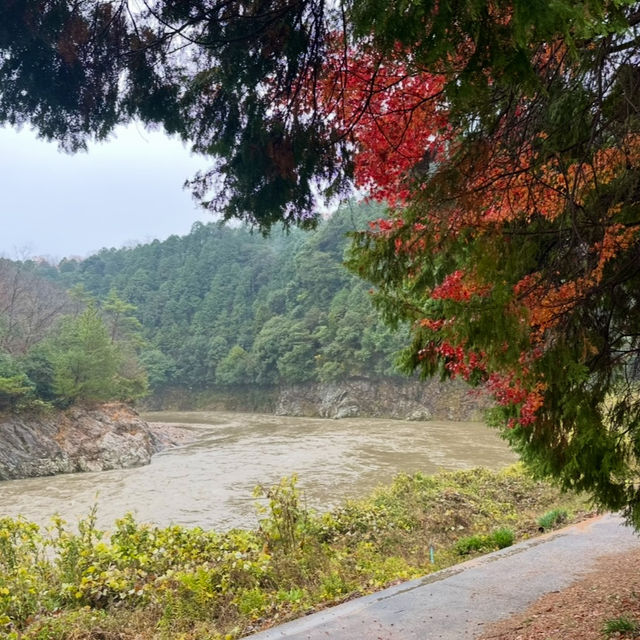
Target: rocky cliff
(356,397)
(80,439)
(391,398)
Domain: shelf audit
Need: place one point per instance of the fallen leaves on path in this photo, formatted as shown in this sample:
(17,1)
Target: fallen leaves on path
(610,591)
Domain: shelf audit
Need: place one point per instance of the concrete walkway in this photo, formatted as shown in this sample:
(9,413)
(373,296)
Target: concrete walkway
(457,602)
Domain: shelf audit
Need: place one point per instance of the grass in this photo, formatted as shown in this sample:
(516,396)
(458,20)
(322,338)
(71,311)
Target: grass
(145,582)
(553,518)
(621,625)
(499,539)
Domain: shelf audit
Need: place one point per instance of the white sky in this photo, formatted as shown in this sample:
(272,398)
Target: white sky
(121,192)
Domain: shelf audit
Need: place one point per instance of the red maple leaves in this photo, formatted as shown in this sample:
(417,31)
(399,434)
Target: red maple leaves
(396,117)
(392,112)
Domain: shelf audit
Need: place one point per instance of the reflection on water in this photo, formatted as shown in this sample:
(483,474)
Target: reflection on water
(209,482)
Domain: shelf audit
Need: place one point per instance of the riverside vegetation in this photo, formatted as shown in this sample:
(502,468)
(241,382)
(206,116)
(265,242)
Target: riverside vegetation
(140,581)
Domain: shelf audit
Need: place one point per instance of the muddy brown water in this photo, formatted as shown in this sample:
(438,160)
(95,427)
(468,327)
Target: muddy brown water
(209,482)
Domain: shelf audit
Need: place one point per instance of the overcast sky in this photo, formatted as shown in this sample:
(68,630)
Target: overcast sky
(121,192)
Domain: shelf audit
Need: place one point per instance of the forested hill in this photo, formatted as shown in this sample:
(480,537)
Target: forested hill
(223,306)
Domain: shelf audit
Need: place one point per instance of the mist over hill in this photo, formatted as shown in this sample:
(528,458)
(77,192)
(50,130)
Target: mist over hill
(222,306)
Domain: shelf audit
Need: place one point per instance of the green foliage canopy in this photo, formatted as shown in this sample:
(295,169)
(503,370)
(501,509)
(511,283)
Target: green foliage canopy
(222,307)
(84,360)
(85,356)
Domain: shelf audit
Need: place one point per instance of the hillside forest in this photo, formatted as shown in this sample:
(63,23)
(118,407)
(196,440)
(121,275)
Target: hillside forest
(221,307)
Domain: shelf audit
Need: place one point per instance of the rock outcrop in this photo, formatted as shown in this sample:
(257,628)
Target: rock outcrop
(398,398)
(110,436)
(401,399)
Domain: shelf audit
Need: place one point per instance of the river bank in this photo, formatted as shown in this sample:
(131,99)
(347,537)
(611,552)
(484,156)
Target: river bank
(395,398)
(146,582)
(113,436)
(209,479)
(50,441)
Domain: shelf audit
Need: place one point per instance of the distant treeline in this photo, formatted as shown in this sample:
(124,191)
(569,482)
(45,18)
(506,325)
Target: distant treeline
(223,306)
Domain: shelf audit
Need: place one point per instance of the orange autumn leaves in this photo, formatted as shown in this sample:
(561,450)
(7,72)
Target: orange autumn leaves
(548,303)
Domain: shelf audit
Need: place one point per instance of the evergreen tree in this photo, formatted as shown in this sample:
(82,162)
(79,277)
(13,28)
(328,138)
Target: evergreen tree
(15,386)
(85,361)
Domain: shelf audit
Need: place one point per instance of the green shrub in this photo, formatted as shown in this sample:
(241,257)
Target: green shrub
(333,586)
(472,543)
(26,580)
(499,539)
(253,603)
(503,538)
(15,391)
(553,518)
(285,526)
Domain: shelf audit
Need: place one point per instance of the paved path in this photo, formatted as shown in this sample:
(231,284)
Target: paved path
(457,602)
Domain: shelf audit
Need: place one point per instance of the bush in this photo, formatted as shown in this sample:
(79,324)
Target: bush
(499,539)
(16,389)
(468,544)
(553,518)
(503,538)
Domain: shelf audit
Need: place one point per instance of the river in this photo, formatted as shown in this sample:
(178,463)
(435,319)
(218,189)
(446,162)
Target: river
(209,481)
